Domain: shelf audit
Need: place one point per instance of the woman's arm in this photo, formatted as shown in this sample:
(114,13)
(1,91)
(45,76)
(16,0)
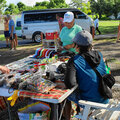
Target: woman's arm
(70,75)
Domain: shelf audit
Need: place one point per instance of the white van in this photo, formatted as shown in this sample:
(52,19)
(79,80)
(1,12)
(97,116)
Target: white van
(36,21)
(18,27)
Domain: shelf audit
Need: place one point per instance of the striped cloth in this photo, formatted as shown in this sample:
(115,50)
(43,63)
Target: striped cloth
(53,94)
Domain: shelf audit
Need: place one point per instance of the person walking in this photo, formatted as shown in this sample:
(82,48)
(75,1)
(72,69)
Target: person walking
(96,23)
(6,31)
(60,21)
(12,33)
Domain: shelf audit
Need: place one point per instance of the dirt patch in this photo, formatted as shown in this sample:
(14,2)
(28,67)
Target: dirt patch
(111,52)
(8,56)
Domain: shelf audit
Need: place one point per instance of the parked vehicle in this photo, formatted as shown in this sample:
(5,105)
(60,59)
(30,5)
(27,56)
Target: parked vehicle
(36,21)
(18,27)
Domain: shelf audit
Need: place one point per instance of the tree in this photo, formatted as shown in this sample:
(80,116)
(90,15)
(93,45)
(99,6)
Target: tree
(44,3)
(2,5)
(98,7)
(76,3)
(21,6)
(108,10)
(57,4)
(116,8)
(106,7)
(12,9)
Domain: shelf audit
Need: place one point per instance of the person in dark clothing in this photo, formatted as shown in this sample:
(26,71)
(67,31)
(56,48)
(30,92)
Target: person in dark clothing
(96,23)
(80,72)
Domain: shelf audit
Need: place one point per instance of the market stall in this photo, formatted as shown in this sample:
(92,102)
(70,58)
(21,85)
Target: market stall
(38,77)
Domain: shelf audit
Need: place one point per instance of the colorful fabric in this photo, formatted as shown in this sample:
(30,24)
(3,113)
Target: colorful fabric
(42,53)
(53,94)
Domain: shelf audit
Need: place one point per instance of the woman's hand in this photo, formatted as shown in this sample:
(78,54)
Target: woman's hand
(4,69)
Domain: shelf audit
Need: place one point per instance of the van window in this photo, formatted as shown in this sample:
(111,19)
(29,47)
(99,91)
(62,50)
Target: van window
(40,18)
(18,24)
(79,15)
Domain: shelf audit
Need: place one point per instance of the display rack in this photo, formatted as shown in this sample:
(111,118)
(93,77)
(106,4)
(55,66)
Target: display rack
(50,41)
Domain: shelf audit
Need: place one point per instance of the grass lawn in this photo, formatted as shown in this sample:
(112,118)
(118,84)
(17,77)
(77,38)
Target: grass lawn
(2,38)
(109,26)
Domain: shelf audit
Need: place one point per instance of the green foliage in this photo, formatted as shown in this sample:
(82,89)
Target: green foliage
(44,3)
(86,8)
(12,9)
(57,4)
(107,7)
(15,9)
(21,6)
(2,5)
(98,7)
(76,3)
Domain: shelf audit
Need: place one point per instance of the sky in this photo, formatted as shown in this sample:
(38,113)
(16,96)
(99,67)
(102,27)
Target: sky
(29,2)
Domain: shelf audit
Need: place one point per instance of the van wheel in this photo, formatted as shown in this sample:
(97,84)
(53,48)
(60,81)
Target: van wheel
(37,37)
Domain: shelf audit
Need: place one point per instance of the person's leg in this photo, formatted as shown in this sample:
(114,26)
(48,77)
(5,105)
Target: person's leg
(12,44)
(7,42)
(16,41)
(67,110)
(118,36)
(98,30)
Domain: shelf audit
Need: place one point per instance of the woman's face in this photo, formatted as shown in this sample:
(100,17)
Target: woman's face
(69,24)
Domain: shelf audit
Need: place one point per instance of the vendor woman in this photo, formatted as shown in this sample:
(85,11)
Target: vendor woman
(69,32)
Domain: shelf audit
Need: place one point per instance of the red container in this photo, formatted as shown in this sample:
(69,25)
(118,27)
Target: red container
(51,35)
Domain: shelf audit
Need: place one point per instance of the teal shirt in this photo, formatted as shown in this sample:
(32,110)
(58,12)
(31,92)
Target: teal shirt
(66,35)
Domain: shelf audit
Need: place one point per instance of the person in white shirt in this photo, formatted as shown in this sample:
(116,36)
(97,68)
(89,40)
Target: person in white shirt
(96,23)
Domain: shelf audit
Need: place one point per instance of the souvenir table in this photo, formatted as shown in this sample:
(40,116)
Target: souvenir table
(54,96)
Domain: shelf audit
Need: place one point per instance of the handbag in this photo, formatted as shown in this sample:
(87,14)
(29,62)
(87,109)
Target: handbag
(105,83)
